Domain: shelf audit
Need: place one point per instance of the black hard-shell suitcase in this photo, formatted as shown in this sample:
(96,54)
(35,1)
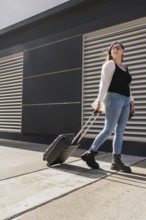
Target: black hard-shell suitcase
(65,144)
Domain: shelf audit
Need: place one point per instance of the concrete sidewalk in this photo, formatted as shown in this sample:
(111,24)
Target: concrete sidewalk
(29,190)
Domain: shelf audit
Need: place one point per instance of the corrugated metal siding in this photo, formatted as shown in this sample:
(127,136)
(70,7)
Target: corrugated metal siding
(133,36)
(11,74)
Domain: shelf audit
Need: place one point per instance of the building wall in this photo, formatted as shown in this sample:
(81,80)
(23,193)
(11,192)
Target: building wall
(79,19)
(52,65)
(52,87)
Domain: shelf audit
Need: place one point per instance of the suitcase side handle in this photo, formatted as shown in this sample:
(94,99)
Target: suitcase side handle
(88,123)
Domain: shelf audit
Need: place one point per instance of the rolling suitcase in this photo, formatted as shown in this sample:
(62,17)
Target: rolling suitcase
(65,144)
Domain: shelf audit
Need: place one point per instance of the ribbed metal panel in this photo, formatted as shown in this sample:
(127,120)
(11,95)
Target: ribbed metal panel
(133,36)
(11,74)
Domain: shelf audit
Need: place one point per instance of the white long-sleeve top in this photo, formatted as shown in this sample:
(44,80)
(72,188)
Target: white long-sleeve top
(107,72)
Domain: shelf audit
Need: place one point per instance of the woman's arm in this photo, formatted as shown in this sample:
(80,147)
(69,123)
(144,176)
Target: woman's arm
(132,107)
(106,76)
(107,72)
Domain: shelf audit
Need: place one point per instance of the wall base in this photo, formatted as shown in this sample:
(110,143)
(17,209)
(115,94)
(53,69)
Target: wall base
(129,147)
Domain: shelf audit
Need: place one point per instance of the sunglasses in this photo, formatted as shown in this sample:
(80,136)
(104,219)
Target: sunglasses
(116,47)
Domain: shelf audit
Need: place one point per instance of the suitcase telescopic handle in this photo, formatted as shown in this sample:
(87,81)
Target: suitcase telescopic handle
(88,123)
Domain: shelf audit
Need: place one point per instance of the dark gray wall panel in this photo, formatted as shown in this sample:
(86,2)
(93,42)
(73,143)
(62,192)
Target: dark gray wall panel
(52,88)
(54,119)
(54,57)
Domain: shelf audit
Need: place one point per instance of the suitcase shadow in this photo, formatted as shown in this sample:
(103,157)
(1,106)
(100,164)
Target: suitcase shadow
(81,171)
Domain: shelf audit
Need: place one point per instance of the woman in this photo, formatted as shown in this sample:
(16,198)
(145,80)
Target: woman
(114,91)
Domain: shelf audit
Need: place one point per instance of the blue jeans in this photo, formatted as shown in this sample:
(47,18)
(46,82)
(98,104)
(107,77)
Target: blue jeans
(117,109)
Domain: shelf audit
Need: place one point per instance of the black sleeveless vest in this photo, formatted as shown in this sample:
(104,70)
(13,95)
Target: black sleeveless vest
(120,82)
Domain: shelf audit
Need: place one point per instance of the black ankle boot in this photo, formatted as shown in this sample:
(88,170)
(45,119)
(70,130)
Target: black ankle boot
(118,165)
(89,158)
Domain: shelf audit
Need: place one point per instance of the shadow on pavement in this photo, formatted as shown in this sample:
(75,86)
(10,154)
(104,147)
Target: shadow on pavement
(81,171)
(24,145)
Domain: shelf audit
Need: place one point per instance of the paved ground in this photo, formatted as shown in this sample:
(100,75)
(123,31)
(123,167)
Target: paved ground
(29,190)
